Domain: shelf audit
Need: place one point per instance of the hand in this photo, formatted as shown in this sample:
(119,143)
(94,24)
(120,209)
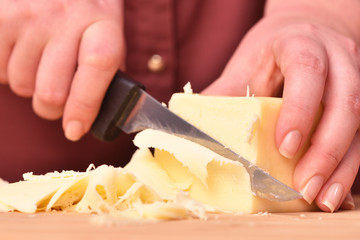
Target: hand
(314,64)
(63,54)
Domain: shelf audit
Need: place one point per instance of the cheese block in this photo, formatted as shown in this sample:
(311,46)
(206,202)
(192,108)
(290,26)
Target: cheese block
(247,126)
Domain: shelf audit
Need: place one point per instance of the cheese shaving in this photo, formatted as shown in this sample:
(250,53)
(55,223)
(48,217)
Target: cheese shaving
(188,89)
(115,192)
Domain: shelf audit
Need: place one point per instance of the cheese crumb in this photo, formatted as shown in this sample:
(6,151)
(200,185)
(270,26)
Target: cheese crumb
(188,89)
(248,92)
(262,214)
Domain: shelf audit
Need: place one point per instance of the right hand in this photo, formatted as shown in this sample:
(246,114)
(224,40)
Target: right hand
(63,54)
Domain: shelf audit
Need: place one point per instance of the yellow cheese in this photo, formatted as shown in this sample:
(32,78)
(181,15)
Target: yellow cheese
(247,126)
(116,192)
(29,196)
(182,178)
(148,171)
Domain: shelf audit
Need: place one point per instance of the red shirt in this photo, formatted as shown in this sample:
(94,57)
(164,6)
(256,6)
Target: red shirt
(195,40)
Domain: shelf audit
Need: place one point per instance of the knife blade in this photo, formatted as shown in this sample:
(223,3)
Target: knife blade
(128,108)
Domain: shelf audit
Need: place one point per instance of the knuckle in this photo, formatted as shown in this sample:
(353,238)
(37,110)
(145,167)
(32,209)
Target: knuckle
(351,46)
(313,63)
(51,98)
(21,89)
(100,60)
(352,103)
(66,4)
(84,106)
(308,27)
(333,157)
(23,12)
(17,13)
(19,81)
(305,111)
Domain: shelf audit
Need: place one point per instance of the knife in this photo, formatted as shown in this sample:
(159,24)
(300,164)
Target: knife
(128,108)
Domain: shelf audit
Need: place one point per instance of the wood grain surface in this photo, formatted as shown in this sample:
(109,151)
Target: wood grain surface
(291,226)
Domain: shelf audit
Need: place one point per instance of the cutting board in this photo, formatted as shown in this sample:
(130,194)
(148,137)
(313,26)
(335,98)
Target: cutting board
(291,226)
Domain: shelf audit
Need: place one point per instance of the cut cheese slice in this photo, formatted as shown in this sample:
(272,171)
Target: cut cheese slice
(30,196)
(148,171)
(115,192)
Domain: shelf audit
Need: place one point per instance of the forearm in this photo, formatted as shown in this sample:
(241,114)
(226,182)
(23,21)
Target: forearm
(341,15)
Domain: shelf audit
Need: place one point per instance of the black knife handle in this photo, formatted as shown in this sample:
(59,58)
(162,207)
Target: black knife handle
(119,100)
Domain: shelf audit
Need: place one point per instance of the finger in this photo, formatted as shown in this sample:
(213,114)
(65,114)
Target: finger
(8,33)
(337,127)
(24,62)
(55,74)
(252,65)
(334,192)
(101,54)
(6,47)
(348,203)
(304,64)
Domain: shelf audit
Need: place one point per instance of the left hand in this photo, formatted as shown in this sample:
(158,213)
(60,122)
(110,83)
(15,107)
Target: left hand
(312,63)
(63,54)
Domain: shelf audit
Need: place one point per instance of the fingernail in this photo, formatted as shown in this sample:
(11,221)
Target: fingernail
(312,188)
(290,144)
(333,196)
(74,130)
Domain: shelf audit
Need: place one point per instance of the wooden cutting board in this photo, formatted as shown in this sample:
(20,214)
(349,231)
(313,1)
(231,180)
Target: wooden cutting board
(291,226)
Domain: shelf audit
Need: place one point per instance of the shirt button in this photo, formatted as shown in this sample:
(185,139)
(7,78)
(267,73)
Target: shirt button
(156,63)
